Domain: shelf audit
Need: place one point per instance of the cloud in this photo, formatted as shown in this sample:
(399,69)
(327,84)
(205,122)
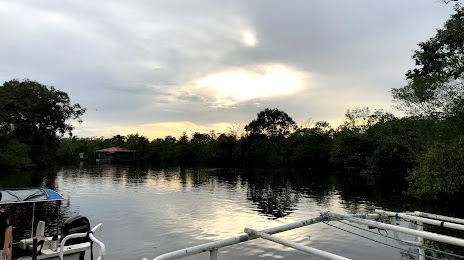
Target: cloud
(249,39)
(142,63)
(231,87)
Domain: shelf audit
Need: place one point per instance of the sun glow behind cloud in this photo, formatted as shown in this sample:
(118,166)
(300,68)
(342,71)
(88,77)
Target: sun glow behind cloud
(241,85)
(249,39)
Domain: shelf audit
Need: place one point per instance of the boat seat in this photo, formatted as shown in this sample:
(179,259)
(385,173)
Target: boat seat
(40,230)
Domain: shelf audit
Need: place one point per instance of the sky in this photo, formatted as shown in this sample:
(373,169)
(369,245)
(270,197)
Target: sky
(164,67)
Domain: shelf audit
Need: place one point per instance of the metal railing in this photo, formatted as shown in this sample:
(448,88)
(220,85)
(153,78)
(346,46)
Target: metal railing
(364,219)
(306,249)
(419,233)
(213,247)
(102,253)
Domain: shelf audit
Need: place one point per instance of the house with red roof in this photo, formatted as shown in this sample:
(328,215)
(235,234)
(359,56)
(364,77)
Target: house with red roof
(114,154)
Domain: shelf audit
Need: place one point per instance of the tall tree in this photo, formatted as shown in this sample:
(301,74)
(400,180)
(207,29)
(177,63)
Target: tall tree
(436,85)
(33,117)
(440,172)
(273,123)
(311,147)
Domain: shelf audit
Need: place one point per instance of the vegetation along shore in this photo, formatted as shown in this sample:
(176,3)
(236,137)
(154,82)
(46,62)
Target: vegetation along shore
(425,147)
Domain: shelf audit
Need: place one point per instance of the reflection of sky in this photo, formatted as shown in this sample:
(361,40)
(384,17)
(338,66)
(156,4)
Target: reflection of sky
(147,213)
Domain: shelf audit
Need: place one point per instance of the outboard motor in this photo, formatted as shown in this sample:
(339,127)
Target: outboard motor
(77,224)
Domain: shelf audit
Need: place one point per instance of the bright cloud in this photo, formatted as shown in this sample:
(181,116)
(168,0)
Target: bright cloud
(133,63)
(249,39)
(241,85)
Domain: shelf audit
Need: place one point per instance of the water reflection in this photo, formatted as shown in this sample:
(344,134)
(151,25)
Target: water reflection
(21,214)
(165,209)
(272,193)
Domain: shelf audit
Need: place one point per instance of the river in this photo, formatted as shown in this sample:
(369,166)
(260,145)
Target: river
(147,211)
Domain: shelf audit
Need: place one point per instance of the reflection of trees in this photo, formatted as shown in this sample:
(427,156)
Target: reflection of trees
(272,193)
(137,173)
(362,193)
(168,174)
(193,177)
(312,184)
(271,201)
(277,192)
(117,172)
(53,213)
(228,176)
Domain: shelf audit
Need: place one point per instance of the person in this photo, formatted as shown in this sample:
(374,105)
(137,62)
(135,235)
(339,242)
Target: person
(5,232)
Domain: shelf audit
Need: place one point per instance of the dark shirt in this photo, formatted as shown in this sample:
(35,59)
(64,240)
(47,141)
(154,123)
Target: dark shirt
(4,224)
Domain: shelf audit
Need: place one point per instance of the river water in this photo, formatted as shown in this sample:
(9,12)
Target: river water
(147,211)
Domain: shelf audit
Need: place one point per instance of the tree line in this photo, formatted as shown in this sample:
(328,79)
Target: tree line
(375,143)
(427,152)
(426,147)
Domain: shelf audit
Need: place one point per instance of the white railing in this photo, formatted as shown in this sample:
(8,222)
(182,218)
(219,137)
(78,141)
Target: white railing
(102,253)
(306,249)
(418,217)
(417,233)
(213,247)
(429,221)
(439,217)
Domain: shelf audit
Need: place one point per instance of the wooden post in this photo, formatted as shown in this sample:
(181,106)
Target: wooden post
(34,248)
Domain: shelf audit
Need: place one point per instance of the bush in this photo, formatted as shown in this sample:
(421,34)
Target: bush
(440,172)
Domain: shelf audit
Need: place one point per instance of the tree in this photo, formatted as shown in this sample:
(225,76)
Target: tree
(350,150)
(139,143)
(436,86)
(260,151)
(118,141)
(397,144)
(361,119)
(225,150)
(235,129)
(164,150)
(272,123)
(352,146)
(33,117)
(311,147)
(201,147)
(185,153)
(439,173)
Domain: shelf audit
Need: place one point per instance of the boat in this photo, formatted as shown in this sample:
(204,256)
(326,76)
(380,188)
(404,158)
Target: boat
(380,220)
(75,238)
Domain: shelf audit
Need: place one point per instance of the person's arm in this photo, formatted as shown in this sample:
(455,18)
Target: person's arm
(6,245)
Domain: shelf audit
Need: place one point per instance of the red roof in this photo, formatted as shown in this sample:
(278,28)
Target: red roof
(115,150)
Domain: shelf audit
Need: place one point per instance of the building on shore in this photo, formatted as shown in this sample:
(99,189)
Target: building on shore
(114,154)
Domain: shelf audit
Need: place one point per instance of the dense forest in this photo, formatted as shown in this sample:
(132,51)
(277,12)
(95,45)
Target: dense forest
(426,147)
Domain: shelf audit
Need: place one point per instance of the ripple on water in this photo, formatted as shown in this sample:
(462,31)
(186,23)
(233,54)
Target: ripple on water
(149,212)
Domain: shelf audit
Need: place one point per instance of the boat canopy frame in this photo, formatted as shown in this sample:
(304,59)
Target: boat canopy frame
(29,195)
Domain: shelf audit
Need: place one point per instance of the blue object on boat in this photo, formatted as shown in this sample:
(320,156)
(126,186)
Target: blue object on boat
(53,195)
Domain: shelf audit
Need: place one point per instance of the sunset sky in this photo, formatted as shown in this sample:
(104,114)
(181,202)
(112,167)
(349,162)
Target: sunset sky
(164,67)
